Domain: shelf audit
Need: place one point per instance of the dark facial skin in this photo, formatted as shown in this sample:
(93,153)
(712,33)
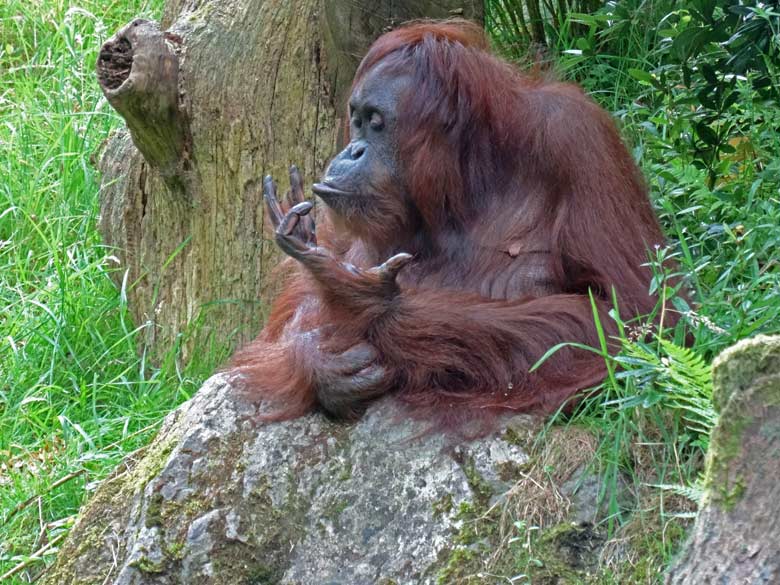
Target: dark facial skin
(369,163)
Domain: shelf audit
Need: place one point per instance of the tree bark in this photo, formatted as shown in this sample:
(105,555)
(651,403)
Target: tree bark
(537,22)
(736,538)
(232,90)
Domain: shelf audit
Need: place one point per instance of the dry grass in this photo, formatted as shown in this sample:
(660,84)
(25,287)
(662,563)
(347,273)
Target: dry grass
(537,498)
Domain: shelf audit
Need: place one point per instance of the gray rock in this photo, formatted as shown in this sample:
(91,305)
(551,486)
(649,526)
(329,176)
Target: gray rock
(220,497)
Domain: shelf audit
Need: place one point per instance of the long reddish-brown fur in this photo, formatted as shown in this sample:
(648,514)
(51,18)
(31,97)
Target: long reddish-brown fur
(512,176)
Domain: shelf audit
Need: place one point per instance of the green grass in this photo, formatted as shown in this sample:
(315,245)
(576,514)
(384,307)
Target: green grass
(75,396)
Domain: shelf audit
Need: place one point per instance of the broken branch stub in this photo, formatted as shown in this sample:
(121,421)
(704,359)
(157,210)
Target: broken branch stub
(138,71)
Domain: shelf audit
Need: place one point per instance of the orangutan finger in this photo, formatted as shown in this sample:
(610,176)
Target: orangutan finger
(272,205)
(392,266)
(356,358)
(296,186)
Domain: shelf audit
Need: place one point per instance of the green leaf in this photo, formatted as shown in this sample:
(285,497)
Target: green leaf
(641,75)
(707,134)
(584,44)
(688,42)
(705,97)
(730,100)
(708,72)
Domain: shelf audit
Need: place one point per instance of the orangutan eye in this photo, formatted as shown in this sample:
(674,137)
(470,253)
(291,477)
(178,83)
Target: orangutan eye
(376,121)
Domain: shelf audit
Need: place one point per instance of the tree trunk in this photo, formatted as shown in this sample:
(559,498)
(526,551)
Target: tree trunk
(537,22)
(736,538)
(231,91)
